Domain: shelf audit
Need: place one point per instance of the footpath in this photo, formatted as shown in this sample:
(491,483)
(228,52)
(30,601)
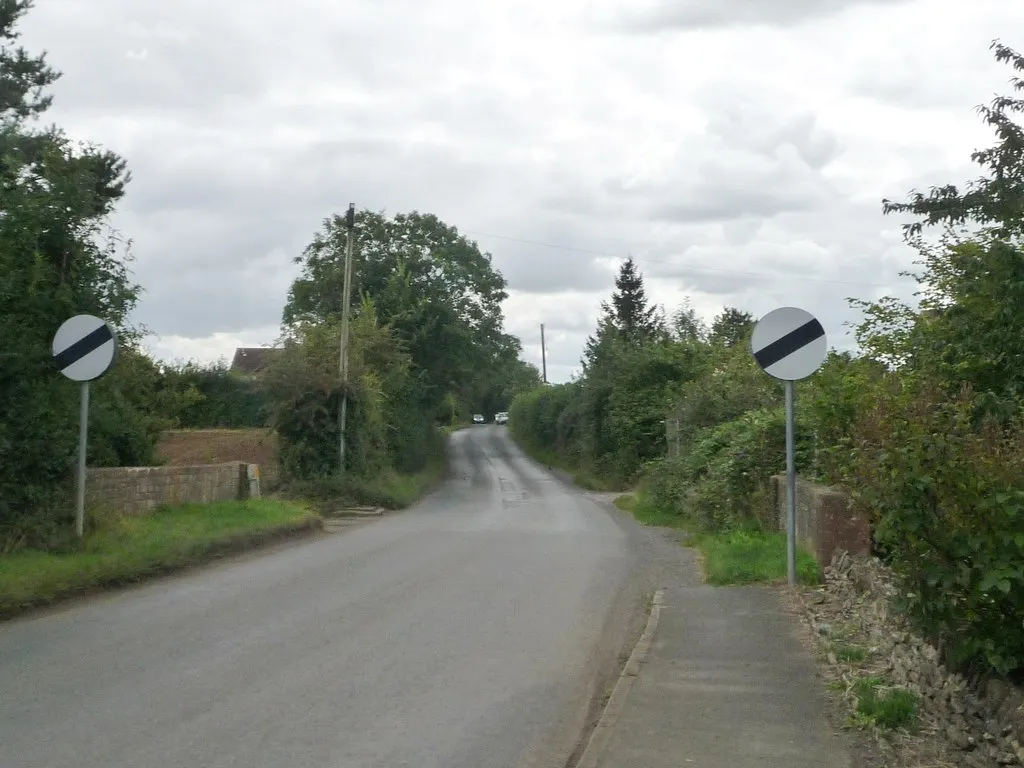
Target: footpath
(725,683)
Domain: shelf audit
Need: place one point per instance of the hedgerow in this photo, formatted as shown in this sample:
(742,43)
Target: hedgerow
(922,426)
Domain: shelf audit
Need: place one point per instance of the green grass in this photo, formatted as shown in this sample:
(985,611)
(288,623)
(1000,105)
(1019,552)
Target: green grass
(584,478)
(127,549)
(385,488)
(394,490)
(748,557)
(735,557)
(648,513)
(893,708)
(853,654)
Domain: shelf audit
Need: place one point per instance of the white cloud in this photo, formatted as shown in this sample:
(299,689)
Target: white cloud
(662,15)
(740,154)
(209,349)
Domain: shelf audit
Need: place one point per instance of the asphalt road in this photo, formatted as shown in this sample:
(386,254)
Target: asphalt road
(471,631)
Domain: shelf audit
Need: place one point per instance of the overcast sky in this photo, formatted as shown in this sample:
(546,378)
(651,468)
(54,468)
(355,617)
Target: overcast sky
(738,149)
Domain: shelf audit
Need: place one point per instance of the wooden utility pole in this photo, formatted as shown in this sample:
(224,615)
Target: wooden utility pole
(543,355)
(346,305)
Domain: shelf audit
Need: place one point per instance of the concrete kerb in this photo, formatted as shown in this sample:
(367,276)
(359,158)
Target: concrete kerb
(602,733)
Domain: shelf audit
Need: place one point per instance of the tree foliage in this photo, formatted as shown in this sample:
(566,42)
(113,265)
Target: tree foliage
(434,288)
(995,200)
(923,427)
(731,327)
(428,346)
(58,257)
(194,396)
(305,392)
(935,458)
(612,420)
(635,319)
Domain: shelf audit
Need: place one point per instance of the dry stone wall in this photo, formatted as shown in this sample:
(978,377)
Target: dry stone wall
(139,490)
(980,722)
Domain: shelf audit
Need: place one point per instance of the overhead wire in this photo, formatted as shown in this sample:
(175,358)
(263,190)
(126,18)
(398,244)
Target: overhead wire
(648,260)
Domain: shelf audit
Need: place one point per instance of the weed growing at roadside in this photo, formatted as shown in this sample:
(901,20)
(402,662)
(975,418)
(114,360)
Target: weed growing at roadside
(747,557)
(852,654)
(638,505)
(888,708)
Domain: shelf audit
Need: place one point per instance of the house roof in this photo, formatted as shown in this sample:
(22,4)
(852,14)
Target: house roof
(254,359)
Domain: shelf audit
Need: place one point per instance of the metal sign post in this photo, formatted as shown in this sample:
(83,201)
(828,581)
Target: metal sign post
(84,348)
(789,344)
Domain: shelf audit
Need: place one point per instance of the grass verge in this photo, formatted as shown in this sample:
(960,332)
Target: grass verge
(127,549)
(751,557)
(648,513)
(385,488)
(734,557)
(584,478)
(394,490)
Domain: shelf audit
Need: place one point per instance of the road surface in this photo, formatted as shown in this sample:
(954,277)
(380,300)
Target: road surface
(468,632)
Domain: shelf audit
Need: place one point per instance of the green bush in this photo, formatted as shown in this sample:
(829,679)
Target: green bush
(610,424)
(665,486)
(722,482)
(209,397)
(732,385)
(388,488)
(827,404)
(947,502)
(536,417)
(644,380)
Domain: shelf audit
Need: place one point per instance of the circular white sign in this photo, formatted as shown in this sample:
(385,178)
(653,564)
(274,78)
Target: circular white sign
(789,343)
(84,347)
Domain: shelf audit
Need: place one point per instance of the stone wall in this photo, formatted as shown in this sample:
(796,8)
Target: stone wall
(968,723)
(825,519)
(138,490)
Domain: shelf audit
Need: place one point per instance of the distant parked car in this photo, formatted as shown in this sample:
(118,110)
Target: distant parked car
(501,418)
(478,418)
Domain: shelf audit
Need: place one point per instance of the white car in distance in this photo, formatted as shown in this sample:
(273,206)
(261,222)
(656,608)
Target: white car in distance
(501,418)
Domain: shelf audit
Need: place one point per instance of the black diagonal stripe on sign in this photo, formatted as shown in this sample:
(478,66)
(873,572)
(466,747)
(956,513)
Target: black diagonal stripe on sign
(83,347)
(790,343)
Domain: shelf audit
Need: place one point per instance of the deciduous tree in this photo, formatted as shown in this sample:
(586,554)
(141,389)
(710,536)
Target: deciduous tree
(58,257)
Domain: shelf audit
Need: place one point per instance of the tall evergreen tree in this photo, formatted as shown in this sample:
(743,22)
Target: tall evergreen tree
(598,345)
(636,320)
(731,326)
(687,325)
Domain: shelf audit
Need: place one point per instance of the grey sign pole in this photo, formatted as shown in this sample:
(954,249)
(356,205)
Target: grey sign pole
(789,344)
(790,489)
(84,348)
(83,446)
